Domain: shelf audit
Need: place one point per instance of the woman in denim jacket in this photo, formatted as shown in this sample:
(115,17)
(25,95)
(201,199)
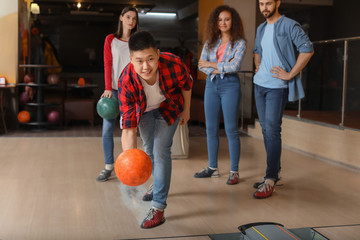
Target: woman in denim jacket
(221,59)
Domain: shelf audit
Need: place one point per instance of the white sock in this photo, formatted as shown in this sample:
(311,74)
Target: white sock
(158,209)
(213,168)
(109,167)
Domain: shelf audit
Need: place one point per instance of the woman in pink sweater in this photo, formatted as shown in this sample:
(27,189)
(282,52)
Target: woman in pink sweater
(116,57)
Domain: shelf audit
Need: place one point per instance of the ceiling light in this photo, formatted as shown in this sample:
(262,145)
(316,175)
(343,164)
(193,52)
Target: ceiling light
(161,14)
(78,5)
(34,8)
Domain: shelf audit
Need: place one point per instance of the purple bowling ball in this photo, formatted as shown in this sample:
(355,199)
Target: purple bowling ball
(53,116)
(29,78)
(24,97)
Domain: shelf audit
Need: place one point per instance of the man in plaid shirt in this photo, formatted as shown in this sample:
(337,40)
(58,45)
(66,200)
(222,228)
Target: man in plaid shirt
(154,96)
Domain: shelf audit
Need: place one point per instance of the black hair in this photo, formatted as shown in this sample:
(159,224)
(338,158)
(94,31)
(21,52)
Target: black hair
(141,40)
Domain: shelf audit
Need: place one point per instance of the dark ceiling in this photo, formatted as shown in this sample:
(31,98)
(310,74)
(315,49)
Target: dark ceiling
(101,10)
(74,32)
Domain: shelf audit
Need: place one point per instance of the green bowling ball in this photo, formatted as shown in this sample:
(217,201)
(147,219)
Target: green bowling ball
(32,116)
(107,108)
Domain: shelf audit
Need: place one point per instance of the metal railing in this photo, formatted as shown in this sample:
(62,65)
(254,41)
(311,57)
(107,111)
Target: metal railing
(246,111)
(333,71)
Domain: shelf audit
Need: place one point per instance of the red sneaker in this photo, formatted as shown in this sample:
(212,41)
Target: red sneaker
(264,191)
(233,178)
(154,218)
(149,194)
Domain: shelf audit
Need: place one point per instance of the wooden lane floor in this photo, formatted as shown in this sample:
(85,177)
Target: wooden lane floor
(340,232)
(48,191)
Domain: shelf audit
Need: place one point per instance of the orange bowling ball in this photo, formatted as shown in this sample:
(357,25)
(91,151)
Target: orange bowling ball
(133,167)
(24,117)
(81,81)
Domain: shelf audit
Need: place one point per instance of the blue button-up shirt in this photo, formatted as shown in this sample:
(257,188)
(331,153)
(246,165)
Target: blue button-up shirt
(234,54)
(287,33)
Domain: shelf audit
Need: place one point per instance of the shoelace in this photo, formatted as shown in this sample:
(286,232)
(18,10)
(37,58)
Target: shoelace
(104,171)
(151,213)
(150,189)
(208,170)
(234,175)
(264,187)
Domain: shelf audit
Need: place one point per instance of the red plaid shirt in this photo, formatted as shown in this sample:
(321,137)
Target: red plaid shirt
(173,76)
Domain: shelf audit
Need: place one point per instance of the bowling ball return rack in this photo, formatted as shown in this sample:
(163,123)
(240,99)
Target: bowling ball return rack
(40,121)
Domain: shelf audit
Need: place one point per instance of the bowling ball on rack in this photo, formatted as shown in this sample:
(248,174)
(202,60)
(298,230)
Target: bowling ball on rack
(53,79)
(23,116)
(133,167)
(32,116)
(35,31)
(81,81)
(24,97)
(53,116)
(107,108)
(29,77)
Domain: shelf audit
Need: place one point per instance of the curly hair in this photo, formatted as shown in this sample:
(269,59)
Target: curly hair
(213,32)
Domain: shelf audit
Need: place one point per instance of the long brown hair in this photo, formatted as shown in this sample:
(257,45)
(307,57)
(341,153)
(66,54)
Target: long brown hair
(119,31)
(213,32)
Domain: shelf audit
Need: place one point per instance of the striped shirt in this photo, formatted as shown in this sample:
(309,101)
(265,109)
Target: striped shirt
(174,76)
(231,62)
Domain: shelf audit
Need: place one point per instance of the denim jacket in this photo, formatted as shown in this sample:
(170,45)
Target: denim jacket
(235,53)
(287,34)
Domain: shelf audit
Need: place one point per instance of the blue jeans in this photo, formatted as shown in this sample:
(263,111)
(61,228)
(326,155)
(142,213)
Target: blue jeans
(270,104)
(223,94)
(157,137)
(108,136)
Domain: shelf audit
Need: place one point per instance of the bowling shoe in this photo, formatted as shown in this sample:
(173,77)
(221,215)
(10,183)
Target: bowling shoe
(264,191)
(258,184)
(104,175)
(149,194)
(233,178)
(155,217)
(207,172)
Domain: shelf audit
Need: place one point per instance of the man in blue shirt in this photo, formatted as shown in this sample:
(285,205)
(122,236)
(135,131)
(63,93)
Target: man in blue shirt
(276,81)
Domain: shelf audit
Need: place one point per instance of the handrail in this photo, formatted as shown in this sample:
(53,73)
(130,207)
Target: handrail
(345,81)
(242,79)
(345,42)
(337,40)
